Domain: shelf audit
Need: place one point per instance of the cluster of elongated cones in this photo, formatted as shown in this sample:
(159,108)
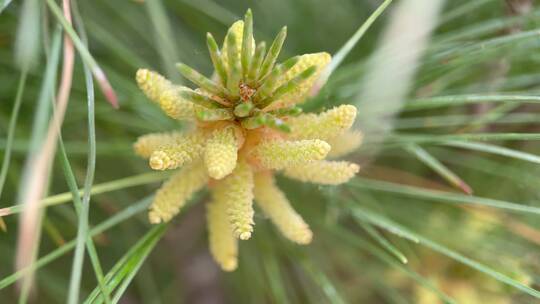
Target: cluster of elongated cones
(246,127)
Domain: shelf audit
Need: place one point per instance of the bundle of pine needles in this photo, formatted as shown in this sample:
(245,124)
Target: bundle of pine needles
(444,209)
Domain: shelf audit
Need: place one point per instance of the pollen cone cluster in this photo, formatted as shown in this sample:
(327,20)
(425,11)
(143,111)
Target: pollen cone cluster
(247,126)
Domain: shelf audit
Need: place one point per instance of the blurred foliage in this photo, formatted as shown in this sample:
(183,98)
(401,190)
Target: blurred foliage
(470,248)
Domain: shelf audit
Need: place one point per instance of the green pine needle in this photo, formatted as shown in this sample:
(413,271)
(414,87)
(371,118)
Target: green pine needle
(256,62)
(235,70)
(198,99)
(247,43)
(269,83)
(200,80)
(288,87)
(217,59)
(273,53)
(243,109)
(214,114)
